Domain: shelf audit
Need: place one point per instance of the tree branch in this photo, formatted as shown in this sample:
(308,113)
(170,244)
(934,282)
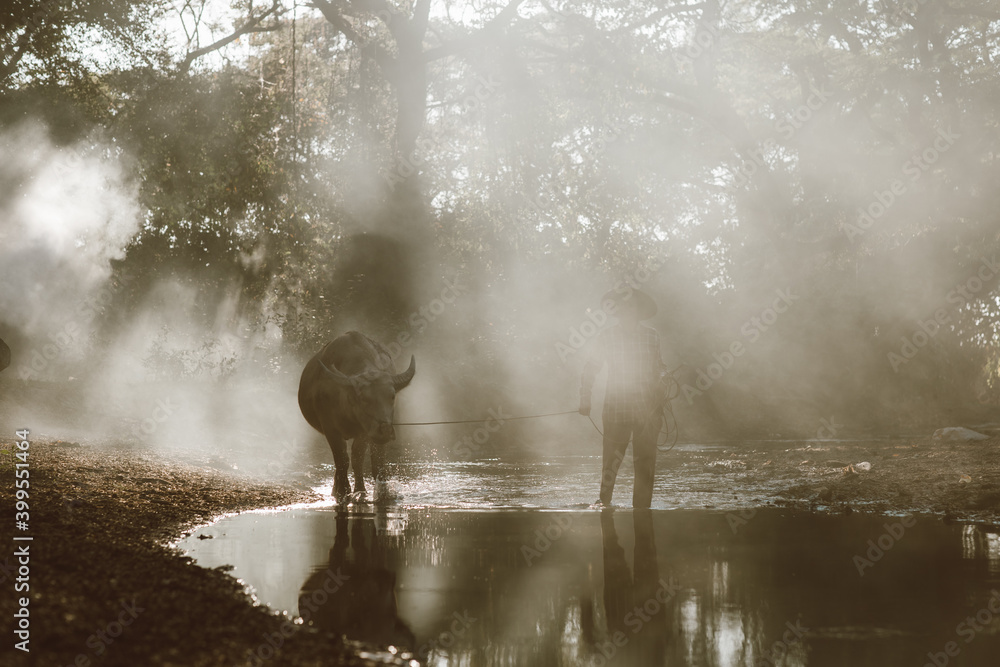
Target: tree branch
(337,20)
(971,11)
(456,46)
(335,17)
(421,14)
(252,25)
(656,16)
(8,68)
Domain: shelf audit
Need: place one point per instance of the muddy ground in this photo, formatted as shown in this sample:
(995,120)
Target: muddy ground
(102,517)
(959,481)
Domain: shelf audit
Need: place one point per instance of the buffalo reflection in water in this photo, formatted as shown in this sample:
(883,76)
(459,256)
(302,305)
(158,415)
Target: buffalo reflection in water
(362,604)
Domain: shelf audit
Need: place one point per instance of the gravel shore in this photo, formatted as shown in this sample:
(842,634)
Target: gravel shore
(105,589)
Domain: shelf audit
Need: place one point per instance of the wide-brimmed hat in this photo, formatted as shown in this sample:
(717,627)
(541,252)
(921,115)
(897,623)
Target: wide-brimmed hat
(624,293)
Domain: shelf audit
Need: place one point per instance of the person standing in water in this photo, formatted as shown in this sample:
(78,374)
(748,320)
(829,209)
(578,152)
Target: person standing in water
(633,400)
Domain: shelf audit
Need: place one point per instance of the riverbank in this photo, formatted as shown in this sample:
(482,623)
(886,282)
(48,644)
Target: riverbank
(960,481)
(106,589)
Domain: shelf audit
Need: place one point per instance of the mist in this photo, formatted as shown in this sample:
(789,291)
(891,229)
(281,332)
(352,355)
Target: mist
(818,235)
(198,198)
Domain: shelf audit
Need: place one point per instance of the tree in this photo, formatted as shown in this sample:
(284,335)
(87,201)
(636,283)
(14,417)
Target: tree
(50,39)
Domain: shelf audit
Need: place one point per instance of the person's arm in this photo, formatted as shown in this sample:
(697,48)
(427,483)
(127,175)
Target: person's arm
(590,370)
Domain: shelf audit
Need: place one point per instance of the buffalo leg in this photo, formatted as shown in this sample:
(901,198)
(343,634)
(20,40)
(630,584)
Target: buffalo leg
(358,449)
(379,472)
(341,481)
(378,462)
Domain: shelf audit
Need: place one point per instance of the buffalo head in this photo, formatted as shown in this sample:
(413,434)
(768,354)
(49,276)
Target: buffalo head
(372,396)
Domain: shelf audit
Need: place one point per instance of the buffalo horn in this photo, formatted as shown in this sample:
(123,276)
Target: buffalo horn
(400,380)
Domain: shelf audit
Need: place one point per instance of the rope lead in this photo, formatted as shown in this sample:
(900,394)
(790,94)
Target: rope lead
(476,421)
(672,391)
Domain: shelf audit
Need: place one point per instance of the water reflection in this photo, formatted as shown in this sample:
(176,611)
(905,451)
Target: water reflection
(356,594)
(638,605)
(978,544)
(624,588)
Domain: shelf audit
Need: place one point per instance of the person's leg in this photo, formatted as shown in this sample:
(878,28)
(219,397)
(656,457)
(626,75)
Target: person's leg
(616,437)
(618,596)
(644,459)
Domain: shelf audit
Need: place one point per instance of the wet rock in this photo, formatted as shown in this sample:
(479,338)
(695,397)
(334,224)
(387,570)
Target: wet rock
(957,434)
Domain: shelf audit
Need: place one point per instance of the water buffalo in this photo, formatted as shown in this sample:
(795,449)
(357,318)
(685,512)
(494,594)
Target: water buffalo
(347,392)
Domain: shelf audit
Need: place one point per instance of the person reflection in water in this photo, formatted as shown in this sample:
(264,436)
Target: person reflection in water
(361,603)
(636,605)
(633,400)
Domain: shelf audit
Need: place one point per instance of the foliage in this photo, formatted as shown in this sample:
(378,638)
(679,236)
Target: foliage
(743,139)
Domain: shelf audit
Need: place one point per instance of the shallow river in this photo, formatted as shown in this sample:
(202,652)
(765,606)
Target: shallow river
(474,565)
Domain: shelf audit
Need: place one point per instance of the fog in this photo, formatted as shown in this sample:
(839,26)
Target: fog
(817,225)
